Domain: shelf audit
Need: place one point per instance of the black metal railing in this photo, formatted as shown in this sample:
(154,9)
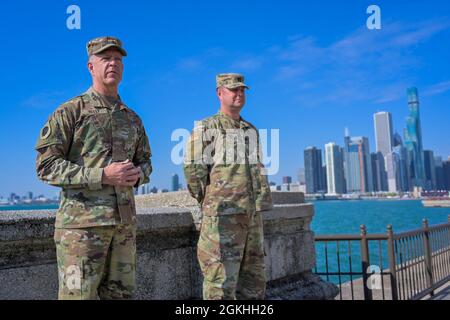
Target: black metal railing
(405,266)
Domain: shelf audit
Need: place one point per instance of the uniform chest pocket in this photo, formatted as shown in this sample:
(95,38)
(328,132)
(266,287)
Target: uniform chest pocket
(95,129)
(124,132)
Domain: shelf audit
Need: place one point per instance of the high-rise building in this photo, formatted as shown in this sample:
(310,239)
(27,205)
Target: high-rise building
(384,133)
(403,174)
(301,176)
(30,195)
(334,159)
(446,169)
(313,170)
(393,172)
(358,164)
(286,185)
(352,171)
(398,141)
(175,183)
(324,178)
(430,171)
(439,172)
(413,141)
(379,172)
(287,179)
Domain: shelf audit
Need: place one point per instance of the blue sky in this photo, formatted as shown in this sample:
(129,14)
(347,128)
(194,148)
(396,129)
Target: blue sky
(314,69)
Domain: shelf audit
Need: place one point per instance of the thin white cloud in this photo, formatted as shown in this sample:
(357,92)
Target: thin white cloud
(365,65)
(421,32)
(49,99)
(437,88)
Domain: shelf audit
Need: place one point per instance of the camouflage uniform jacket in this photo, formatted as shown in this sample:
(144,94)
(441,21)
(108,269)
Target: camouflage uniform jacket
(80,138)
(226,176)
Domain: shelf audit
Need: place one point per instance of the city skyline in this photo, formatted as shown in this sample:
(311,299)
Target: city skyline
(366,178)
(397,165)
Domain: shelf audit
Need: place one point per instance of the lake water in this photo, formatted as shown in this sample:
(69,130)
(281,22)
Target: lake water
(29,207)
(347,216)
(339,217)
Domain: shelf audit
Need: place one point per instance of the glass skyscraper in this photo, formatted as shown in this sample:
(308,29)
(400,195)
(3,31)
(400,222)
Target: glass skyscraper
(358,165)
(393,171)
(430,170)
(413,140)
(314,173)
(403,174)
(175,183)
(439,168)
(379,172)
(446,170)
(334,160)
(384,133)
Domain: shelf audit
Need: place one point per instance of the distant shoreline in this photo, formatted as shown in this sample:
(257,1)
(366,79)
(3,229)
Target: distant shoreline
(55,206)
(368,199)
(19,207)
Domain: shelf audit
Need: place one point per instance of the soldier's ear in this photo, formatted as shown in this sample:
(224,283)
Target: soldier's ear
(90,67)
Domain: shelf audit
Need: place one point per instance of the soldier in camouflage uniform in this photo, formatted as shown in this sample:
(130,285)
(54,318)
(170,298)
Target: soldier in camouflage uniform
(95,148)
(224,173)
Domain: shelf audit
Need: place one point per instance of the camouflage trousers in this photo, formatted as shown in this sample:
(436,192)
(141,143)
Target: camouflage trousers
(96,262)
(230,252)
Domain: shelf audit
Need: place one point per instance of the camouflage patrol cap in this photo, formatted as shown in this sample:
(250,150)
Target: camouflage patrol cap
(230,80)
(100,44)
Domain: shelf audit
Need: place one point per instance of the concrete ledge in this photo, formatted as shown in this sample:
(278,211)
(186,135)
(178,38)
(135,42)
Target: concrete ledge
(167,266)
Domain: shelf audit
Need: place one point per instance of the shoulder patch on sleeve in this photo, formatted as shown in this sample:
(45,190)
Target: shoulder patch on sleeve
(46,131)
(47,136)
